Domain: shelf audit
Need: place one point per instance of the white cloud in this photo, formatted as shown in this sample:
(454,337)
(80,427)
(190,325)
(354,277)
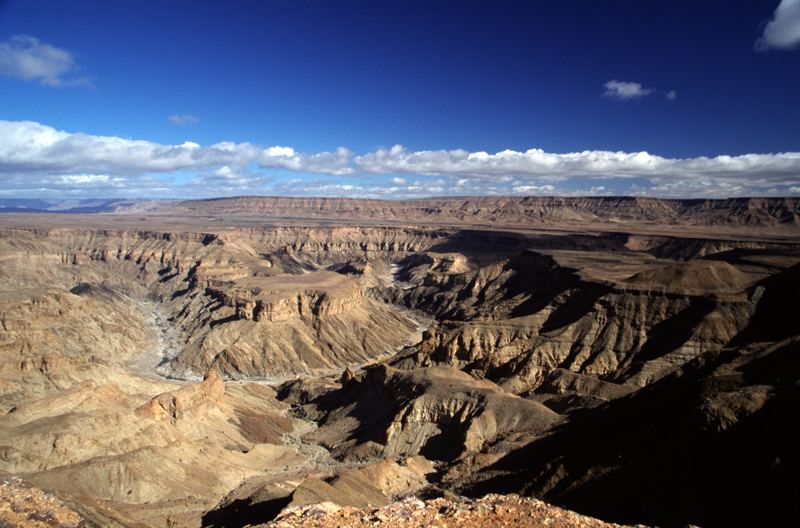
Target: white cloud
(625,90)
(590,164)
(277,152)
(671,95)
(36,159)
(529,171)
(227,173)
(534,189)
(228,180)
(27,58)
(29,147)
(84,178)
(183,119)
(783,30)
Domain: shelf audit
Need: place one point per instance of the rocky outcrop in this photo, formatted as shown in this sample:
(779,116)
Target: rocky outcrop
(487,512)
(185,402)
(24,505)
(281,297)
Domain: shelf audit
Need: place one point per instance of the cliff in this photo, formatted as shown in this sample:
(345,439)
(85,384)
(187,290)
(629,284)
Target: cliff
(511,210)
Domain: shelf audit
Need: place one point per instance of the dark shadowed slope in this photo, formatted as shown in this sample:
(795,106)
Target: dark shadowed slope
(709,445)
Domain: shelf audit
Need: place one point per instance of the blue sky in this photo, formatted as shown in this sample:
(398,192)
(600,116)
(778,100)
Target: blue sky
(172,99)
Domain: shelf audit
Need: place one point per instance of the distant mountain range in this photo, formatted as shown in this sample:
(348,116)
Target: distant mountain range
(35,205)
(782,213)
(509,210)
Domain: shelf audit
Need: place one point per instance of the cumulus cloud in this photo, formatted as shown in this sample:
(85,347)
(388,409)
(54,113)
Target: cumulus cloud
(671,95)
(227,180)
(182,119)
(590,163)
(36,159)
(27,58)
(85,178)
(532,170)
(29,147)
(783,30)
(623,91)
(534,189)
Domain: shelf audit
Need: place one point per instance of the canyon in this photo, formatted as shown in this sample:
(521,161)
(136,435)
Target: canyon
(234,361)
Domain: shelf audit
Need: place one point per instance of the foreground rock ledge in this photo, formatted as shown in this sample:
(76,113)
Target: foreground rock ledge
(487,512)
(22,505)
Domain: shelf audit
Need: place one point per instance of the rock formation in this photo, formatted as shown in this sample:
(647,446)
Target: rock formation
(411,347)
(186,402)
